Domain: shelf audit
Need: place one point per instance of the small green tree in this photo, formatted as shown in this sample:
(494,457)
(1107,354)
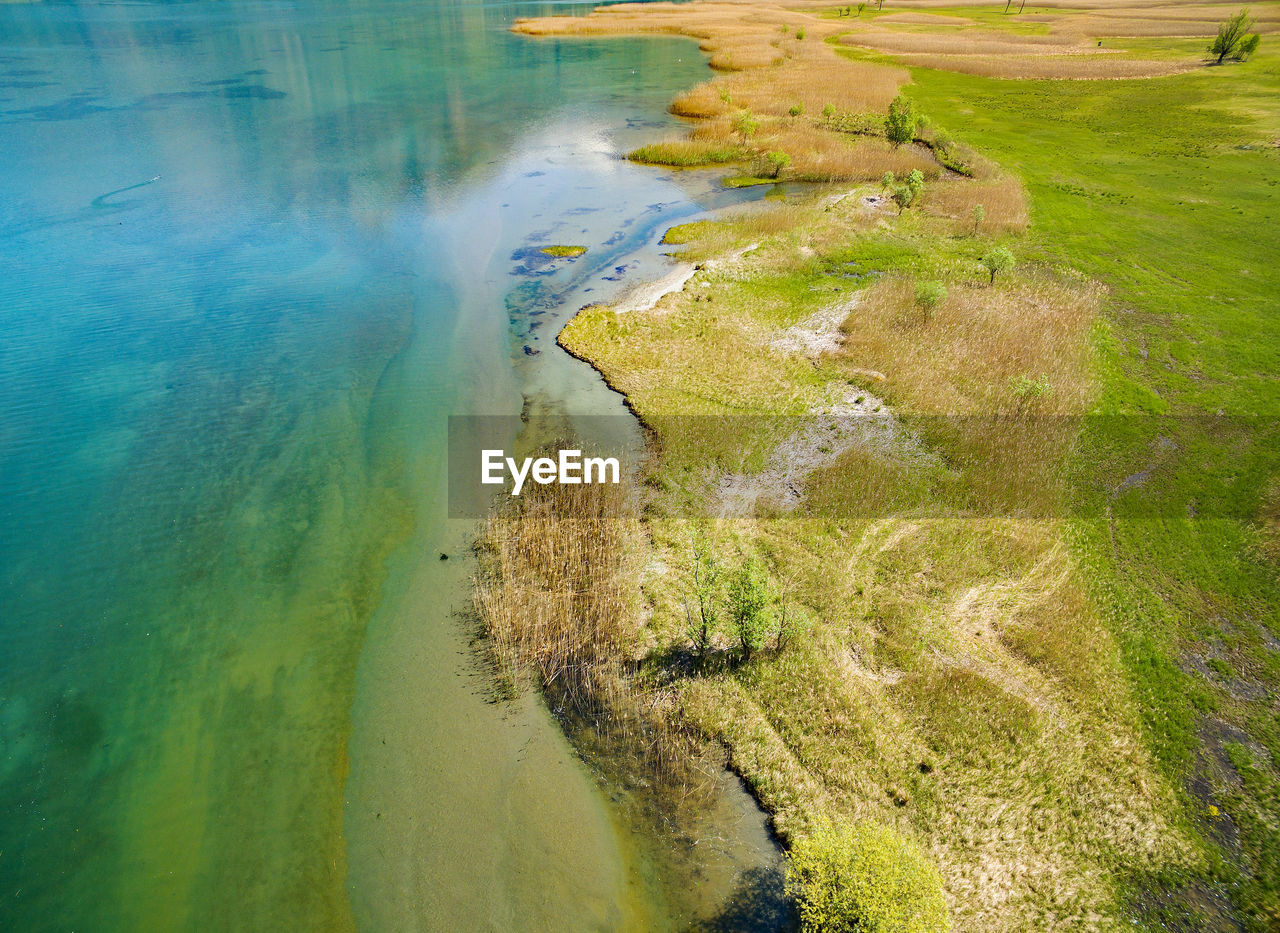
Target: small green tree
(903,196)
(979,215)
(887,181)
(1232,35)
(745,125)
(861,7)
(928,296)
(828,111)
(998,260)
(900,124)
(778,161)
(864,878)
(703,615)
(749,600)
(915,181)
(796,110)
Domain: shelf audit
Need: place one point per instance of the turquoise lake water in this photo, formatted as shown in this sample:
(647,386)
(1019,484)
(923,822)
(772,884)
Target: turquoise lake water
(252,255)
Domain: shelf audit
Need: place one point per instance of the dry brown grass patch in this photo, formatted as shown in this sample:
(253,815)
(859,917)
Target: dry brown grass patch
(979,339)
(1069,68)
(1003,200)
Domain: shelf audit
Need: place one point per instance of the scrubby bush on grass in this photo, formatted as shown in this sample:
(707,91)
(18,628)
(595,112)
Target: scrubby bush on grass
(928,296)
(907,194)
(749,602)
(703,609)
(864,878)
(996,261)
(745,124)
(778,161)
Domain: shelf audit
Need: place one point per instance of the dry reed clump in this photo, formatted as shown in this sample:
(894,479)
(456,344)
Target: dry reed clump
(979,339)
(817,155)
(557,598)
(963,43)
(924,19)
(688,152)
(1003,200)
(811,82)
(1082,68)
(554,592)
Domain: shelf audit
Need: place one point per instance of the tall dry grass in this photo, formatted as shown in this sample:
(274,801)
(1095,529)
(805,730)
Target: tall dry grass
(555,593)
(557,598)
(1003,199)
(979,339)
(1062,67)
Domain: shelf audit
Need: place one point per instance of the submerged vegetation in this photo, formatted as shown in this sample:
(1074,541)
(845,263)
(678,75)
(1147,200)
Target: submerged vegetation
(913,545)
(564,252)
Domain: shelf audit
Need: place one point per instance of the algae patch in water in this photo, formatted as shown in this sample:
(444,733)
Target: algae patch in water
(568,252)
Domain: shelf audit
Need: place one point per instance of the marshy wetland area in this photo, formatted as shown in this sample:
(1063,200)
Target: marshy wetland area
(959,528)
(940,343)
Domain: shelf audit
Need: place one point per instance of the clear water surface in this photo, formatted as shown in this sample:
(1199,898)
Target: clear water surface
(252,254)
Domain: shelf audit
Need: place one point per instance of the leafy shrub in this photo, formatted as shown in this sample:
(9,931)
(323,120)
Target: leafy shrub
(749,602)
(997,260)
(900,124)
(1028,388)
(928,296)
(864,878)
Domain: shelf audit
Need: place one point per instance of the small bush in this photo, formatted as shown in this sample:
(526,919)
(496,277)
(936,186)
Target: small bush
(900,124)
(796,110)
(745,124)
(749,602)
(864,878)
(996,261)
(1027,388)
(928,296)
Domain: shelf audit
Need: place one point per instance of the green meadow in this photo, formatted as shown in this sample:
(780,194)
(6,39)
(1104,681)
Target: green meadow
(1168,192)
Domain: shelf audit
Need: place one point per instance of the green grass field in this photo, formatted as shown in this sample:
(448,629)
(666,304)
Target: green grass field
(1168,191)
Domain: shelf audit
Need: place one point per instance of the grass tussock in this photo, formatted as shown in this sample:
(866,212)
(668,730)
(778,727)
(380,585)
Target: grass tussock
(687,153)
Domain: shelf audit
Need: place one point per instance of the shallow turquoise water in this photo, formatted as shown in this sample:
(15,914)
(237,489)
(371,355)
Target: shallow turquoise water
(251,256)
